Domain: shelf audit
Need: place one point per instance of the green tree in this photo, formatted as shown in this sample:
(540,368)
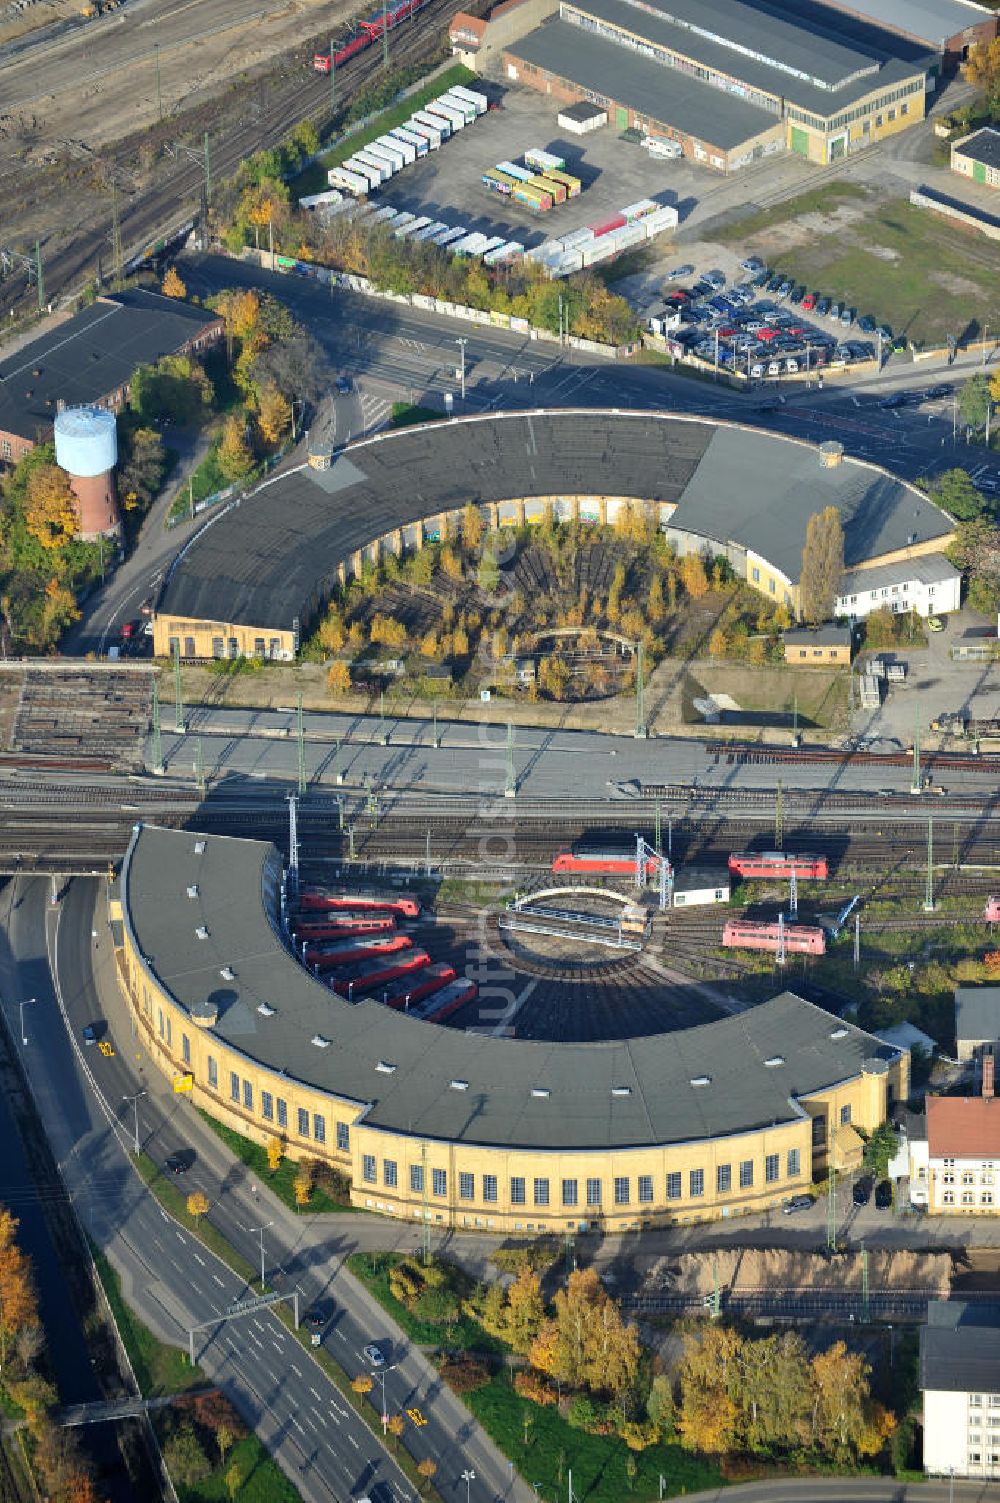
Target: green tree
(955,492)
(974,401)
(235,458)
(982,69)
(489,572)
(185,1458)
(141,467)
(822,565)
(661,1411)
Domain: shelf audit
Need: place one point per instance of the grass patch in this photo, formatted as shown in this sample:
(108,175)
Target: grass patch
(460,890)
(372,1270)
(819,200)
(898,263)
(598,1461)
(159,1369)
(263,1480)
(283,1179)
(314,180)
(405,414)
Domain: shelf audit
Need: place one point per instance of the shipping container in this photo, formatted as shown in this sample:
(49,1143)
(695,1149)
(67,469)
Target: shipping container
(543,160)
(449,112)
(394,151)
(375,162)
(470,245)
(492,244)
(456,102)
(406,149)
(573,184)
(447,236)
(513,170)
(425,132)
(663,219)
(511,250)
(412,138)
(402,222)
(327,200)
(533,198)
(479,101)
(436,123)
(498,182)
(384,216)
(434,228)
(403,232)
(556,190)
(605,226)
(575,238)
(354,179)
(639,209)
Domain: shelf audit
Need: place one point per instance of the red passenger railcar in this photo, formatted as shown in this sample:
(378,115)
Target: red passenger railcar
(800,939)
(365,902)
(328,957)
(442,1004)
(407,989)
(778,864)
(357,980)
(600,861)
(344,926)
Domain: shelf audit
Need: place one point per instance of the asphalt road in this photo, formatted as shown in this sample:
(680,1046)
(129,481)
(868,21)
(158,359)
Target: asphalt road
(170,1278)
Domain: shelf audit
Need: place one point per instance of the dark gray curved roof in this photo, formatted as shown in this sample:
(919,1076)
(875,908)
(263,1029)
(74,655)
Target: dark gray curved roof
(272,558)
(583,1107)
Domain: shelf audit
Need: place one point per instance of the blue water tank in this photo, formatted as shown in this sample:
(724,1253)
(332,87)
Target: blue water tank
(86,441)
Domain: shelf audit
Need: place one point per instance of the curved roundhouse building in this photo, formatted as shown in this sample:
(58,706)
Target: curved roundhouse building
(255,577)
(467,1129)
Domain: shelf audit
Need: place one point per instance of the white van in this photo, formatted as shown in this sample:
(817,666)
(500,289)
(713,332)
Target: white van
(774,368)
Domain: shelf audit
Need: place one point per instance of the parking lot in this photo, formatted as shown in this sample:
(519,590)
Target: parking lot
(446,183)
(764,326)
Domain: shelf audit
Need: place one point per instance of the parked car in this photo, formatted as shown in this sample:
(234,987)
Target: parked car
(680,271)
(866,325)
(373,1356)
(784,289)
(822,306)
(883,1195)
(847,317)
(935,393)
(177,1163)
(797,1203)
(715,278)
(862,1192)
(934,623)
(809,302)
(343,385)
(774,281)
(894,399)
(762,278)
(885,331)
(90,1034)
(796,295)
(752,263)
(835,311)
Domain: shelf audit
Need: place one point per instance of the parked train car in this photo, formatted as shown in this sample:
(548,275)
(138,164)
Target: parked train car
(409,988)
(800,939)
(441,1004)
(343,50)
(600,860)
(778,864)
(328,956)
(344,926)
(316,901)
(362,978)
(368,31)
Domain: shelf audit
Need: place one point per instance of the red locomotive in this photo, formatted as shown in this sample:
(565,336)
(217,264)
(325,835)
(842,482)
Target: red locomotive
(325,902)
(800,939)
(368,31)
(358,979)
(327,957)
(601,861)
(778,864)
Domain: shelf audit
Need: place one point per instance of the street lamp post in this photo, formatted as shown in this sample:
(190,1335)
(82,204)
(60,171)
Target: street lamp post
(135,1103)
(28,1002)
(468,1477)
(461,344)
(258,1231)
(382,1373)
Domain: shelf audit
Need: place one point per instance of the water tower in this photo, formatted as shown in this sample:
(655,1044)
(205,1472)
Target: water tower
(87,449)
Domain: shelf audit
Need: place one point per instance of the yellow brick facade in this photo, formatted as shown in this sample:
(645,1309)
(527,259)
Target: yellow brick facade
(494,1188)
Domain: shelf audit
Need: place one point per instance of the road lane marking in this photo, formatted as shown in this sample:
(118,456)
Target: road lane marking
(354,1443)
(221,1285)
(295,1370)
(341,1335)
(297,1425)
(315,1394)
(197,1259)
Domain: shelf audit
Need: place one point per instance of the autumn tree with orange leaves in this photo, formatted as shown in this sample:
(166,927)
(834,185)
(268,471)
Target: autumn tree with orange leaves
(587,1344)
(18,1301)
(50,511)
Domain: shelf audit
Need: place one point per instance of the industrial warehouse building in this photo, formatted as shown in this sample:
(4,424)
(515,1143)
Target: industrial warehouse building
(257,576)
(89,361)
(729,80)
(463,1128)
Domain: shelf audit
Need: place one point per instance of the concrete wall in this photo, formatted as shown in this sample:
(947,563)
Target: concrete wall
(946,1431)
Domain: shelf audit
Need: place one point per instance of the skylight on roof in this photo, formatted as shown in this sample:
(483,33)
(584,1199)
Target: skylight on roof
(201,932)
(266,1010)
(319,1041)
(774,1061)
(701,1080)
(839,1033)
(540,1091)
(621,1090)
(459,1085)
(385,1068)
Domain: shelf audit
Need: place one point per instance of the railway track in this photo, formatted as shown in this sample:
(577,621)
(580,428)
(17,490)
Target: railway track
(175,198)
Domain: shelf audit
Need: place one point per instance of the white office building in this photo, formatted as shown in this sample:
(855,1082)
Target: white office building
(927,584)
(960,1381)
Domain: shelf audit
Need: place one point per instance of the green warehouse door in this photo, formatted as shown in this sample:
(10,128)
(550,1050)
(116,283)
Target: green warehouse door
(621,118)
(800,141)
(979,172)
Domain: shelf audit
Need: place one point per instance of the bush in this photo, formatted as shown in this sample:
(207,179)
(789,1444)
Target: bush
(531,1385)
(464,1374)
(534,1256)
(582,1413)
